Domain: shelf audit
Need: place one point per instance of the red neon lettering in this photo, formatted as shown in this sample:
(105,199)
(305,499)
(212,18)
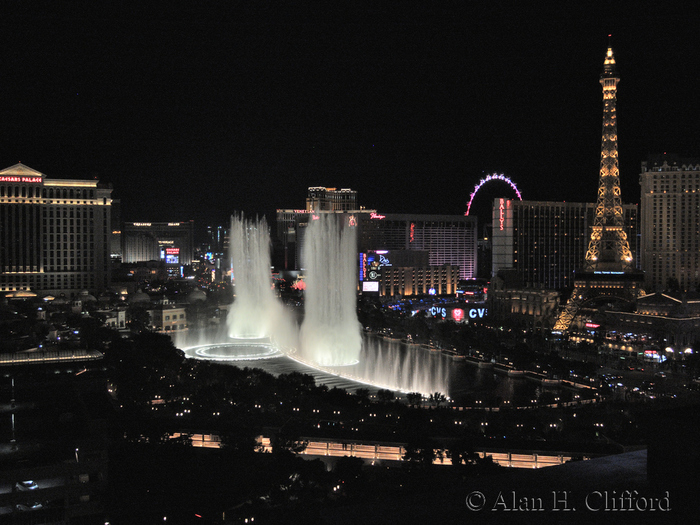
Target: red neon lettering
(20,179)
(501,218)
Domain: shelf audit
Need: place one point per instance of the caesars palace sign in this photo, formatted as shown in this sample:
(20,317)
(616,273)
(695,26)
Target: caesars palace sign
(8,178)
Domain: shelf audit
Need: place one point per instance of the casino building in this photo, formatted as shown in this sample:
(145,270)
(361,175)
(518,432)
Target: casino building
(54,233)
(670,218)
(169,242)
(545,242)
(399,254)
(449,240)
(331,199)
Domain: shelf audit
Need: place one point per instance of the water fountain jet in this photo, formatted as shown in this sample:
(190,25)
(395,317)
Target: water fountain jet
(330,340)
(257,318)
(330,333)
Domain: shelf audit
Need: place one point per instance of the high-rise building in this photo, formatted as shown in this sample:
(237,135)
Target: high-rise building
(54,233)
(545,242)
(55,466)
(670,218)
(217,240)
(170,242)
(215,251)
(448,239)
(331,199)
(291,223)
(116,242)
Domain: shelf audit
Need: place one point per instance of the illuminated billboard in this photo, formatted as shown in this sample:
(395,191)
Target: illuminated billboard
(370,267)
(370,286)
(171,255)
(459,315)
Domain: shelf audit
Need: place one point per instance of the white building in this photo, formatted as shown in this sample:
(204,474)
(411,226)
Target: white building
(54,233)
(670,219)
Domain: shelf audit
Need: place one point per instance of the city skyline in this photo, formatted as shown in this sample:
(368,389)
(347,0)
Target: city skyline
(197,113)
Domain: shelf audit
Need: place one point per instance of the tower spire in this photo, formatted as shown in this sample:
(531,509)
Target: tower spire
(608,248)
(608,272)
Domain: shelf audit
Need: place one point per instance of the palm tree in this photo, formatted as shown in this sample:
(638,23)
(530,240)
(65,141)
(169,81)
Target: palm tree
(414,398)
(385,396)
(437,398)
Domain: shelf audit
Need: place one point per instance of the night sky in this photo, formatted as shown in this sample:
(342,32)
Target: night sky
(196,110)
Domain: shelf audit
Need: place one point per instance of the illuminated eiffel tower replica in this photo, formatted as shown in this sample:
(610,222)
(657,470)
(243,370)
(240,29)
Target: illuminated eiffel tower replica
(608,272)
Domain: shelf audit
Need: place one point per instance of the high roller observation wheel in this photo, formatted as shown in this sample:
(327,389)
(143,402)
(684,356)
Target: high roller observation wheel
(489,178)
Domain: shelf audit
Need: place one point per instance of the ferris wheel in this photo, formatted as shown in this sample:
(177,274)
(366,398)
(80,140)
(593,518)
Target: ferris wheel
(494,177)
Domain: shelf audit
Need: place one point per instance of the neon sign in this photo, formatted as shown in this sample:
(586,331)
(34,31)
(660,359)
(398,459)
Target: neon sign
(412,231)
(436,310)
(20,179)
(458,314)
(477,312)
(374,215)
(142,224)
(501,218)
(172,251)
(653,355)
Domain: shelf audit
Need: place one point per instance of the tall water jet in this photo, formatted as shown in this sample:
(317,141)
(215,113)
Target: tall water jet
(330,333)
(255,313)
(331,336)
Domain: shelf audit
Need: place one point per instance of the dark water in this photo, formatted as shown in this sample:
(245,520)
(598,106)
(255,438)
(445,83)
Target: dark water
(469,384)
(410,368)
